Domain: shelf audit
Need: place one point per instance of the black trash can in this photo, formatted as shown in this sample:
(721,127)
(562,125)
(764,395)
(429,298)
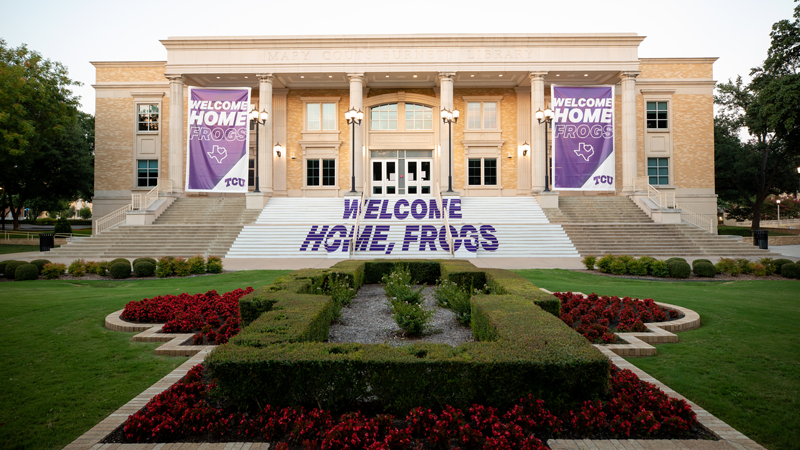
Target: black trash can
(46,241)
(761,238)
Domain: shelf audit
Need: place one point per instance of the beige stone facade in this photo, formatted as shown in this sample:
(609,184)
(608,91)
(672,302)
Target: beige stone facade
(436,71)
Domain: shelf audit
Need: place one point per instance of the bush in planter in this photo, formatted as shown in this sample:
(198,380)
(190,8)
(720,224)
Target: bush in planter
(778,263)
(744,265)
(769,265)
(120,269)
(675,259)
(758,269)
(589,262)
(197,265)
(647,260)
(214,264)
(181,267)
(144,269)
(26,272)
(679,269)
(699,261)
(100,268)
(150,260)
(637,267)
(618,266)
(77,268)
(39,263)
(164,268)
(62,227)
(705,269)
(411,318)
(450,295)
(604,263)
(11,266)
(790,270)
(53,270)
(729,266)
(117,260)
(658,268)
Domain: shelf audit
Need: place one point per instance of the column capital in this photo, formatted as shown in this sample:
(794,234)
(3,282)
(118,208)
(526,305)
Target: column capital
(537,75)
(356,77)
(629,75)
(264,77)
(446,76)
(174,77)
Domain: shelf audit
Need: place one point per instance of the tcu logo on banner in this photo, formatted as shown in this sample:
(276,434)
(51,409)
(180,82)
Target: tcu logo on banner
(218,139)
(583,138)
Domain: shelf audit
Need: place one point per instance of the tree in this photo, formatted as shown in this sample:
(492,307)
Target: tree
(46,144)
(747,173)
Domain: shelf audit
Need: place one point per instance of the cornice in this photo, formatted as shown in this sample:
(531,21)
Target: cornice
(708,60)
(128,63)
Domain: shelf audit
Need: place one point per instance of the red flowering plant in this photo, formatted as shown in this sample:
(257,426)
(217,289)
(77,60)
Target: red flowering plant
(214,317)
(597,317)
(635,409)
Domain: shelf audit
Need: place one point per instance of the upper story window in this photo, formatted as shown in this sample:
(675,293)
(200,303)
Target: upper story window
(419,117)
(384,117)
(657,116)
(481,115)
(147,117)
(320,116)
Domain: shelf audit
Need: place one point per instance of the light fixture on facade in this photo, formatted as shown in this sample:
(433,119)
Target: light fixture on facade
(258,118)
(501,74)
(509,155)
(450,117)
(353,117)
(387,75)
(558,74)
(545,117)
(586,74)
(473,75)
(218,78)
(330,76)
(302,76)
(245,77)
(278,149)
(525,148)
(415,75)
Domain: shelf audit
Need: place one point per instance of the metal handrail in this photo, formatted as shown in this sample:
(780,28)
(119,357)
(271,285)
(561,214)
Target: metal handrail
(449,235)
(695,218)
(143,201)
(33,235)
(358,220)
(661,199)
(110,220)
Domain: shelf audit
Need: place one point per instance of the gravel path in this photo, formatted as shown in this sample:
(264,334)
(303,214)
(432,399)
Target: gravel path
(368,320)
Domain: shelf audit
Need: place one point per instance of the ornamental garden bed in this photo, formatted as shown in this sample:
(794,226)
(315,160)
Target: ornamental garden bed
(726,269)
(279,380)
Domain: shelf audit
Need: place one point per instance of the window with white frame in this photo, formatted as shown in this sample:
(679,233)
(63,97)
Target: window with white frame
(320,116)
(481,115)
(418,117)
(384,117)
(147,173)
(658,171)
(482,171)
(657,116)
(320,172)
(147,117)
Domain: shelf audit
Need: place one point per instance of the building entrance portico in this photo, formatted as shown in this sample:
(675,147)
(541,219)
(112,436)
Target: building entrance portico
(401,173)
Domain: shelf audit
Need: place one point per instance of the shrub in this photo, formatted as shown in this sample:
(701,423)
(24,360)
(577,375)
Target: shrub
(214,264)
(102,268)
(757,269)
(637,267)
(120,270)
(197,265)
(181,267)
(705,269)
(138,260)
(53,270)
(3,265)
(647,261)
(618,266)
(11,266)
(450,295)
(679,269)
(675,259)
(164,268)
(77,268)
(26,272)
(769,265)
(397,286)
(85,213)
(699,261)
(39,263)
(604,263)
(744,265)
(790,270)
(62,227)
(116,260)
(144,269)
(729,266)
(92,267)
(778,263)
(658,268)
(412,318)
(589,262)
(625,258)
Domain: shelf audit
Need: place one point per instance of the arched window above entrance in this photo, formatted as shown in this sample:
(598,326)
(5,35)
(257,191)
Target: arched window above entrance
(419,117)
(384,117)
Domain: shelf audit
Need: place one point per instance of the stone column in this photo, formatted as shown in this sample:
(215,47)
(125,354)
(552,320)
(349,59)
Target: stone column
(265,144)
(446,102)
(629,150)
(176,148)
(356,101)
(538,152)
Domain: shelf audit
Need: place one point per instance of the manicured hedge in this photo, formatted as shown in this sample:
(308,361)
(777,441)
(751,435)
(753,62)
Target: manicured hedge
(11,267)
(423,272)
(507,282)
(39,263)
(26,272)
(280,357)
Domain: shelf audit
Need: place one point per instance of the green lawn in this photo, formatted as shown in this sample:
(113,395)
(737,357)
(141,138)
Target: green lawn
(745,231)
(6,249)
(61,371)
(742,364)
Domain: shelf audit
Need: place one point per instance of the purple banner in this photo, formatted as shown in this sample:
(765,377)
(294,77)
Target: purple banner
(583,138)
(218,139)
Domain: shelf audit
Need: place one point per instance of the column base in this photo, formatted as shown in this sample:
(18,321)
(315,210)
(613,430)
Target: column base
(451,194)
(547,200)
(352,194)
(256,200)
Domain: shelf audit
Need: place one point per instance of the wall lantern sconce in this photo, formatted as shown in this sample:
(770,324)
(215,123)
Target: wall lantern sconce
(278,149)
(525,148)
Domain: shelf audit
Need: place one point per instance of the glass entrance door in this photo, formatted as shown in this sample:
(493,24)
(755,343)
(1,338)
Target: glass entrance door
(384,177)
(418,176)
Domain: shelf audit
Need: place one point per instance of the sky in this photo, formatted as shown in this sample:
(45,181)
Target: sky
(76,32)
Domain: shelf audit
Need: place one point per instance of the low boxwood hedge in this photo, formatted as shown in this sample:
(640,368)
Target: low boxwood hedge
(26,272)
(11,267)
(790,270)
(280,357)
(39,263)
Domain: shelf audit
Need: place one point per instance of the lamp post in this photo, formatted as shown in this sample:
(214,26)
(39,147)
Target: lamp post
(450,117)
(258,118)
(354,118)
(545,117)
(779,212)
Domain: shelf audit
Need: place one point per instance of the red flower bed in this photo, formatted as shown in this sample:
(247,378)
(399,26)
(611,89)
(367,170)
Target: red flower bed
(214,316)
(596,317)
(635,409)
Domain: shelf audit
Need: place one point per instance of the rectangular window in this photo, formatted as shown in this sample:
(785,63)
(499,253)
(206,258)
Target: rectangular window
(147,173)
(482,115)
(482,171)
(658,171)
(657,116)
(251,172)
(148,117)
(323,170)
(320,116)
